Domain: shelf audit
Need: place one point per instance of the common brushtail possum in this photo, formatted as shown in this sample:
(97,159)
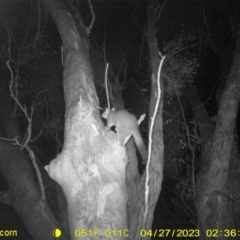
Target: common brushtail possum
(126,124)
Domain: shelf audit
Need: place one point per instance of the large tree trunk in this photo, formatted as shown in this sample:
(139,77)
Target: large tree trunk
(214,188)
(91,169)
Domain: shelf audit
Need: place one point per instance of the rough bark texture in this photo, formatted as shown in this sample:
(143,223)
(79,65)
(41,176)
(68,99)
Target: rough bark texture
(213,206)
(91,168)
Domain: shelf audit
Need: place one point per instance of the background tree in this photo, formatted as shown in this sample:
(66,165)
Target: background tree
(217,176)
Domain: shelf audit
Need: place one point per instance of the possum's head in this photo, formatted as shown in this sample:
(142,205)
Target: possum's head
(107,115)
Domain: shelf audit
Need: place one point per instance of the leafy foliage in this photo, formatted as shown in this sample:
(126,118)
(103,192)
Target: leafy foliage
(181,63)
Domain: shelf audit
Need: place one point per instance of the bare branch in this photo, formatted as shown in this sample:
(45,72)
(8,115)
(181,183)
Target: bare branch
(106,85)
(158,15)
(93,17)
(23,108)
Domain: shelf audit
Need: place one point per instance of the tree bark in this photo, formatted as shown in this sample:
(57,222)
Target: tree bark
(213,205)
(157,159)
(91,169)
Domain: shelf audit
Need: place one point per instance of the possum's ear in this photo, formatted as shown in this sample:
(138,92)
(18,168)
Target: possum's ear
(105,113)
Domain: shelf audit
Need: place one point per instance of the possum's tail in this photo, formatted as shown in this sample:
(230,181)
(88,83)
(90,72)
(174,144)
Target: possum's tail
(140,146)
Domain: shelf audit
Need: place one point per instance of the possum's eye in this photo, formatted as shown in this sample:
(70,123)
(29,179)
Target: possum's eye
(113,128)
